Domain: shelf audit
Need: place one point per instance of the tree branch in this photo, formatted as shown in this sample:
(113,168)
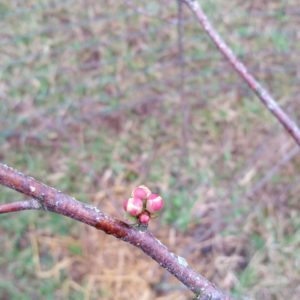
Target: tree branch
(50,199)
(241,69)
(18,206)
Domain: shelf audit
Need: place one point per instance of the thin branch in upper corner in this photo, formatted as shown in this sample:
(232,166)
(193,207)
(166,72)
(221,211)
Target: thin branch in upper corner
(265,97)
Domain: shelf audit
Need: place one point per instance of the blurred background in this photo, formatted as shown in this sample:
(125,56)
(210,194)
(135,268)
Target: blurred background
(98,97)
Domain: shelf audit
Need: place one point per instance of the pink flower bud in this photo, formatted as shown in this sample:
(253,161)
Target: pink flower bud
(125,204)
(141,192)
(134,206)
(154,203)
(144,218)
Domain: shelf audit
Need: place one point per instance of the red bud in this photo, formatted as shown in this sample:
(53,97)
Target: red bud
(134,206)
(125,204)
(141,192)
(154,203)
(144,218)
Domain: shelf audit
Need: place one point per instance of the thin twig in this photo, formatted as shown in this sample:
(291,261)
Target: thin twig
(20,205)
(53,200)
(241,69)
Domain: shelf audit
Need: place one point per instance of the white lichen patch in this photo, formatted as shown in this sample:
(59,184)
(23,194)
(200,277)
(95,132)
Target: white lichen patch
(93,208)
(32,189)
(182,261)
(97,210)
(193,4)
(36,205)
(160,243)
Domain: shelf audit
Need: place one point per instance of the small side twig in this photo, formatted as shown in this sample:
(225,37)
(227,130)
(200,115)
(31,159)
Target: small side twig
(20,205)
(241,69)
(50,199)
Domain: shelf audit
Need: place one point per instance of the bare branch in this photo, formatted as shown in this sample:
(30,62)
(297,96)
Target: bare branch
(20,205)
(241,69)
(53,200)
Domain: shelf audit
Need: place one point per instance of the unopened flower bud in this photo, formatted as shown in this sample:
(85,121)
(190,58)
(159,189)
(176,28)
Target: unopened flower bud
(125,204)
(144,218)
(154,203)
(134,206)
(141,192)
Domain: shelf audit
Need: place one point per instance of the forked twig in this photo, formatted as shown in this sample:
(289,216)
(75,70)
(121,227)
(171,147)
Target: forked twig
(50,199)
(241,69)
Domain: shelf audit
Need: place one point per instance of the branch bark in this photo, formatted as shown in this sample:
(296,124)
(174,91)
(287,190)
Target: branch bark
(241,69)
(50,199)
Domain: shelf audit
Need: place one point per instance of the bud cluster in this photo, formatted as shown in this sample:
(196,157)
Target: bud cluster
(143,204)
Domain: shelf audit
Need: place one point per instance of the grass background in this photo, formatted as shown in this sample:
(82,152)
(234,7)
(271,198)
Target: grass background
(90,103)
